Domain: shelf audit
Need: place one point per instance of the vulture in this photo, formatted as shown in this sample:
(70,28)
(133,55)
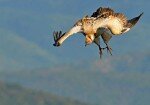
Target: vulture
(104,23)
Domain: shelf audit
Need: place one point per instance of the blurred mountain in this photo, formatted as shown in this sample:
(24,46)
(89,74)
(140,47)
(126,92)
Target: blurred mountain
(12,94)
(123,80)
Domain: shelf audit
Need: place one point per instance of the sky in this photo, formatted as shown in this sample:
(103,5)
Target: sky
(34,22)
(26,45)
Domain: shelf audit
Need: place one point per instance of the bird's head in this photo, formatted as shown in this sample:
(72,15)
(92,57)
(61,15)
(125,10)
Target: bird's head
(89,39)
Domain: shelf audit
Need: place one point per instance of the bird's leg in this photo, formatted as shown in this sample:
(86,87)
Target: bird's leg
(109,49)
(97,42)
(100,51)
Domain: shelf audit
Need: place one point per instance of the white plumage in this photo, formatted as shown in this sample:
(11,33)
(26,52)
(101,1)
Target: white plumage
(103,23)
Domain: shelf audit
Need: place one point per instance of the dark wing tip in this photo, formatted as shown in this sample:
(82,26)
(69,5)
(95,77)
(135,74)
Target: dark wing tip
(56,44)
(133,21)
(57,35)
(141,14)
(103,11)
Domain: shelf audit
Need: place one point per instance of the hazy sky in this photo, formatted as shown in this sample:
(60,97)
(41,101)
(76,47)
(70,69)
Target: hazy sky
(27,26)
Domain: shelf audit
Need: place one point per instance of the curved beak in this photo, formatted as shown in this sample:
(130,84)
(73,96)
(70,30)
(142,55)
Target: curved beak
(89,39)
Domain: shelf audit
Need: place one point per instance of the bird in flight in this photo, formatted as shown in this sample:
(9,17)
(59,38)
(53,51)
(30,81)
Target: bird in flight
(104,23)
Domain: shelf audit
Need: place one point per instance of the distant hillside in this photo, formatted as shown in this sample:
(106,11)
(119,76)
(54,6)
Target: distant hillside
(112,81)
(16,95)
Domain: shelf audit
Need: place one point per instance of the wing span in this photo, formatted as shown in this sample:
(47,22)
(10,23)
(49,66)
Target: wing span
(59,38)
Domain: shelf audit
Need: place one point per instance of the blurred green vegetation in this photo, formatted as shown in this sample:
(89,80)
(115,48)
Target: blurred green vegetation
(13,94)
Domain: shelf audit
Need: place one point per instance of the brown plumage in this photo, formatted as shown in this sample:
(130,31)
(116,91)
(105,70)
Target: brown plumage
(106,12)
(104,22)
(103,12)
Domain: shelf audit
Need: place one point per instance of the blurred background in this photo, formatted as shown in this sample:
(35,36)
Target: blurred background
(33,72)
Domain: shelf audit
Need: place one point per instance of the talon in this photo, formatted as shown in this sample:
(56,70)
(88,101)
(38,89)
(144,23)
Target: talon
(100,51)
(103,48)
(109,49)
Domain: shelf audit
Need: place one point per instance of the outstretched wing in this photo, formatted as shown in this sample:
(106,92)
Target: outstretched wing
(102,12)
(57,35)
(107,18)
(59,38)
(133,21)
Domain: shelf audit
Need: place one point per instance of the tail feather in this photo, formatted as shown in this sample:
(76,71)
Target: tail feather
(133,21)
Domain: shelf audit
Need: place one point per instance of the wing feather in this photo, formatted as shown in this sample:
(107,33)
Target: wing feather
(107,18)
(103,12)
(59,38)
